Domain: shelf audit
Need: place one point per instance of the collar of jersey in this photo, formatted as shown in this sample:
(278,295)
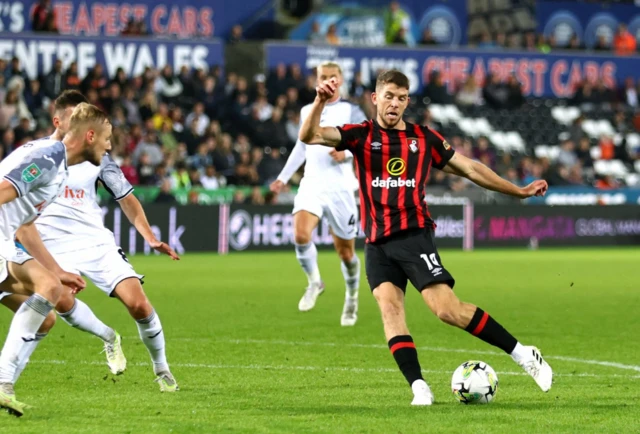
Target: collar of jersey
(333,103)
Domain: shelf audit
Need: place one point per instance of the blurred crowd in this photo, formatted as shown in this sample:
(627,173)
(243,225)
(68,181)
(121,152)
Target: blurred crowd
(185,129)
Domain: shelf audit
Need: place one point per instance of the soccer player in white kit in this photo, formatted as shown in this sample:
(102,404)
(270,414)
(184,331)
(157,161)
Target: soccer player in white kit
(72,230)
(328,188)
(31,178)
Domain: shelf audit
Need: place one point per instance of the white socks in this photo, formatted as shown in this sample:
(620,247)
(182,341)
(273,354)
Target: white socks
(152,336)
(351,274)
(24,327)
(519,353)
(307,255)
(82,317)
(26,353)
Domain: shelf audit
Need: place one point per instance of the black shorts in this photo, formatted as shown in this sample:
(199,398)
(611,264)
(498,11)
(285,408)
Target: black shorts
(411,255)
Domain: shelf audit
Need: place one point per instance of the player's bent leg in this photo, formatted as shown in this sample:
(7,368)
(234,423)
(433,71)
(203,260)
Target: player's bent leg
(443,302)
(131,294)
(43,290)
(304,222)
(350,266)
(78,315)
(390,300)
(13,302)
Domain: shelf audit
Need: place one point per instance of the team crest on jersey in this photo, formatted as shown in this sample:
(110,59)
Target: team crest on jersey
(413,144)
(446,145)
(31,173)
(376,146)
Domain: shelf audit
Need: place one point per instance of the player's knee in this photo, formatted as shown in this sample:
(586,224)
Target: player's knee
(346,254)
(48,323)
(50,288)
(301,237)
(140,308)
(66,301)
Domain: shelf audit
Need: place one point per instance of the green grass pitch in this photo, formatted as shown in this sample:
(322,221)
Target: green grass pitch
(248,361)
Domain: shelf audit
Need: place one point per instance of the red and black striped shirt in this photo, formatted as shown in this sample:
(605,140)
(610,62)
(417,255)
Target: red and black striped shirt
(393,167)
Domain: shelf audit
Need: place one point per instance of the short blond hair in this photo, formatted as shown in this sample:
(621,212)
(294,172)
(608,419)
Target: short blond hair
(329,64)
(85,113)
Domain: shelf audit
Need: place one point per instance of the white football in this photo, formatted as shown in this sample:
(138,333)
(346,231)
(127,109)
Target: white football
(474,382)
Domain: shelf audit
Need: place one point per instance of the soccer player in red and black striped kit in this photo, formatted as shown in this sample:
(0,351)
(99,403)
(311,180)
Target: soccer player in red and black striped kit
(394,159)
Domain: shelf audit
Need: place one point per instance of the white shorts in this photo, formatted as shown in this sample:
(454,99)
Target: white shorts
(106,265)
(338,206)
(9,252)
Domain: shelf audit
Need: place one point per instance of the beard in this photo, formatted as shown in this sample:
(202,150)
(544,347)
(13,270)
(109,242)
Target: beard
(92,157)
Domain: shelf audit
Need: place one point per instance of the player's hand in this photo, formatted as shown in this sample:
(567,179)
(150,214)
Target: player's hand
(164,248)
(73,281)
(338,156)
(277,186)
(326,90)
(536,188)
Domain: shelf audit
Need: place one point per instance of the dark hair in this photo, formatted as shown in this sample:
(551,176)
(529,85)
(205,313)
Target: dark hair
(392,76)
(69,98)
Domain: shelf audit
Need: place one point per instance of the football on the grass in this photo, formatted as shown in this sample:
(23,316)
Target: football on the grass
(474,382)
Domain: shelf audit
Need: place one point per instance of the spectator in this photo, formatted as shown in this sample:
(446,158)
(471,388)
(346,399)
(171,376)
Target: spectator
(146,170)
(245,172)
(202,159)
(193,198)
(401,37)
(131,107)
(54,81)
(168,86)
(129,170)
(515,97)
(199,117)
(149,145)
(629,93)
(270,167)
(624,43)
(332,35)
(165,195)
(71,77)
(239,196)
(485,41)
(316,36)
(256,196)
(602,44)
(567,156)
(236,34)
(41,13)
(427,38)
(9,110)
(180,177)
(584,153)
(95,80)
(210,179)
(395,19)
(470,93)
(436,91)
(495,92)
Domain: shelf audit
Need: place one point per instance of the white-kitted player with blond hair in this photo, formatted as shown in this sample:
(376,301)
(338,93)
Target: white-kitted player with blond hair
(327,189)
(32,177)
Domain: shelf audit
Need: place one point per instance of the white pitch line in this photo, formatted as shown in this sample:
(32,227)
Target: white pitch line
(380,346)
(255,367)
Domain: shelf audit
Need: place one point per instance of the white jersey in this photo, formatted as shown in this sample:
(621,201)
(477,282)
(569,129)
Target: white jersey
(74,221)
(38,171)
(321,172)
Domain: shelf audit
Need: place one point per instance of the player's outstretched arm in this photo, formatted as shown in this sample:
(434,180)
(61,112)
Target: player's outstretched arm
(487,178)
(8,192)
(135,213)
(30,238)
(311,132)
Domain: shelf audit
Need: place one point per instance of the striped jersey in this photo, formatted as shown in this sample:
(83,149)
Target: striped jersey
(393,167)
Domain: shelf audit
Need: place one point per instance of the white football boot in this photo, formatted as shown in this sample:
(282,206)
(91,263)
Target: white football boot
(116,360)
(349,311)
(537,367)
(308,300)
(421,393)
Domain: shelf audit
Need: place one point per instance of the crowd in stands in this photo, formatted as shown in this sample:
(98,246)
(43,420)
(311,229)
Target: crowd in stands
(184,129)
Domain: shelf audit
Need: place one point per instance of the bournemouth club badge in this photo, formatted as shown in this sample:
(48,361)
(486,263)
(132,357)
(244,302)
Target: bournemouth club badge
(413,145)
